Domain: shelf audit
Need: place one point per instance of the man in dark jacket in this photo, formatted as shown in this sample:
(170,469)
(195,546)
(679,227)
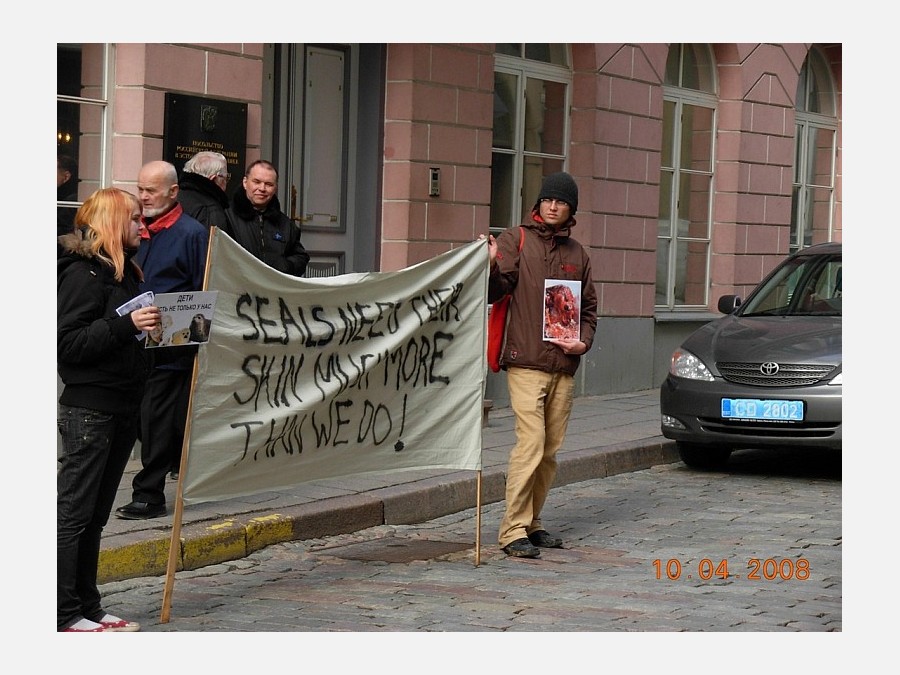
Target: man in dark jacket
(256,222)
(172,256)
(66,191)
(540,370)
(201,190)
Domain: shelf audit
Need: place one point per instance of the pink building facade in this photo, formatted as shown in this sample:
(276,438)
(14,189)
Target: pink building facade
(417,130)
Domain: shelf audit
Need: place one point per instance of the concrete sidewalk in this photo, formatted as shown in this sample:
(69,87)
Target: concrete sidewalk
(607,435)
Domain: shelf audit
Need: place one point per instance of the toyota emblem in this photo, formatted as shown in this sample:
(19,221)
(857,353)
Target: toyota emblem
(769,368)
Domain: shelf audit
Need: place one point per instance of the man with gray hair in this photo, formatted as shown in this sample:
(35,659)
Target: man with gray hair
(172,256)
(202,186)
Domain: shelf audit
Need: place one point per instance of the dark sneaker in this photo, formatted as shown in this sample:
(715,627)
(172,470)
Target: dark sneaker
(544,539)
(521,548)
(140,511)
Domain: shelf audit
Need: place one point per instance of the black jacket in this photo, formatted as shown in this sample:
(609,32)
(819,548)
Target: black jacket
(202,199)
(269,235)
(98,356)
(65,215)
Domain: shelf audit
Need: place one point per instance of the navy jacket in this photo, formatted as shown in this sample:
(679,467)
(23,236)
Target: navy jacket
(174,260)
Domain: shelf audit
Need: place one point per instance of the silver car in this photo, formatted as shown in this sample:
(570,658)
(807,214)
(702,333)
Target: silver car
(769,373)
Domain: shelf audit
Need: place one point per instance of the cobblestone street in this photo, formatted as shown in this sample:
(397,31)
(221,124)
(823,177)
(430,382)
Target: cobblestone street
(645,551)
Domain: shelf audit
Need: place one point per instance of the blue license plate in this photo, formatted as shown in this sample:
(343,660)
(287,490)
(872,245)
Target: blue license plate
(762,409)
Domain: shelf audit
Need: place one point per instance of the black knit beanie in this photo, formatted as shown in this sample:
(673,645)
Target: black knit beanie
(560,186)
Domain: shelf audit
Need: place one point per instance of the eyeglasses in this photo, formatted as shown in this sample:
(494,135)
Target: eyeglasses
(226,176)
(559,202)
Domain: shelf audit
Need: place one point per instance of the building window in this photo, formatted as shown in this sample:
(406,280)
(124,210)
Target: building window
(686,178)
(82,122)
(531,125)
(812,199)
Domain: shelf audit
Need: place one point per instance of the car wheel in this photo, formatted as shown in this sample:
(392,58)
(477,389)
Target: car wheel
(699,456)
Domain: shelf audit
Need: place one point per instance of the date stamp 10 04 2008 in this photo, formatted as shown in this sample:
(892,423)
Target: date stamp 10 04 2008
(758,569)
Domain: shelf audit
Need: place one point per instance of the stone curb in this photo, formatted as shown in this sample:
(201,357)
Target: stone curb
(416,502)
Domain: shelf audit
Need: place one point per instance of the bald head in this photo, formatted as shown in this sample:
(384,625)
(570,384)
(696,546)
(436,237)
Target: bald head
(157,188)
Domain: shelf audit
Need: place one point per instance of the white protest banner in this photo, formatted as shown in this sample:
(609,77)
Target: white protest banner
(306,379)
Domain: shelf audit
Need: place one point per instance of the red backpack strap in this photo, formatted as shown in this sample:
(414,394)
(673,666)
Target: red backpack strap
(497,322)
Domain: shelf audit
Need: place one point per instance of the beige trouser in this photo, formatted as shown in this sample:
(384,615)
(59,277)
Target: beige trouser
(542,403)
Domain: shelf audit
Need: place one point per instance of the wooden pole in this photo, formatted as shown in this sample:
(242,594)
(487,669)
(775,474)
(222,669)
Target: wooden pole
(478,518)
(175,542)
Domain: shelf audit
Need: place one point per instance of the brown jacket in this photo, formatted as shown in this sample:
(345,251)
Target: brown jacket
(545,255)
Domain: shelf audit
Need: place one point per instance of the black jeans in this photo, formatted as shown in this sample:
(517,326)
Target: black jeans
(96,447)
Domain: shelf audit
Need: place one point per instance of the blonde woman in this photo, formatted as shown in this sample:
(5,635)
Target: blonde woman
(103,369)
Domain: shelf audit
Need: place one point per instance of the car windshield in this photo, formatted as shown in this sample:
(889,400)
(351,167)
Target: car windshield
(803,286)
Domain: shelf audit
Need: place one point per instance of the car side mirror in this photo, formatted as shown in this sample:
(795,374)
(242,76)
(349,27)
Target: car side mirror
(729,303)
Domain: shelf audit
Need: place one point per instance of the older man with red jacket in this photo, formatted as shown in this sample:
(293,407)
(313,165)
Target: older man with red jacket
(172,256)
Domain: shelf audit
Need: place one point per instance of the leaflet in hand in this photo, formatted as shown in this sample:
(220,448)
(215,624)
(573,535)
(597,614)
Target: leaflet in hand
(186,318)
(142,300)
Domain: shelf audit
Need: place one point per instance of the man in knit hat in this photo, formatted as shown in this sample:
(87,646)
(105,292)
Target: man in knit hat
(540,370)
